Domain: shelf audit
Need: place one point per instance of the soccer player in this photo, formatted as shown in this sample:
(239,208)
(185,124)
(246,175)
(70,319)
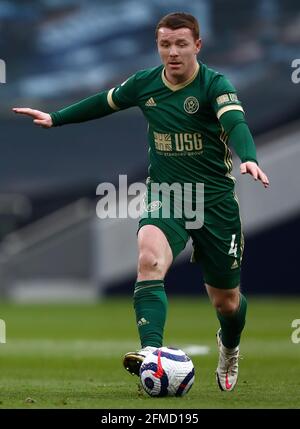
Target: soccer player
(194,115)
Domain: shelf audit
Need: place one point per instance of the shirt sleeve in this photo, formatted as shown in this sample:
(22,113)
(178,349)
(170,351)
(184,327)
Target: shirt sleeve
(239,135)
(223,96)
(93,107)
(123,96)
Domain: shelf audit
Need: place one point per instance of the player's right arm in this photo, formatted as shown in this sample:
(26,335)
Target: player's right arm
(94,107)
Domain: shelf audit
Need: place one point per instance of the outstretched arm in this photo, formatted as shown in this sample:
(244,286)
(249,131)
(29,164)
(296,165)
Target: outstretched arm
(96,106)
(90,108)
(241,139)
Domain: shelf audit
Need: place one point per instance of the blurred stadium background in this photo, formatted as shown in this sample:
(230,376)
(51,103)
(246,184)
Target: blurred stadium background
(57,52)
(53,248)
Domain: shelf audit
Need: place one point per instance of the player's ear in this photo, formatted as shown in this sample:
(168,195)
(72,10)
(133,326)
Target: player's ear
(198,46)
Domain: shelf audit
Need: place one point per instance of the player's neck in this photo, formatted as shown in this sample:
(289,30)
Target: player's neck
(177,80)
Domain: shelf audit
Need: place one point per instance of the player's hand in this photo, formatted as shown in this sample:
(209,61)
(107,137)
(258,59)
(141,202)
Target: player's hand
(41,119)
(253,169)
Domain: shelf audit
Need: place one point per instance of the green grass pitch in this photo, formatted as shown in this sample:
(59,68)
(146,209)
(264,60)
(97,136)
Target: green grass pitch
(69,356)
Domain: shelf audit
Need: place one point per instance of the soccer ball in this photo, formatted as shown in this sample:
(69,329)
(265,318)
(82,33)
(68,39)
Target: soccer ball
(167,372)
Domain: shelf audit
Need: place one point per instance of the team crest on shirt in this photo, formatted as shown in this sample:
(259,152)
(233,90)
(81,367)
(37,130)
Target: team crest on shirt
(191,105)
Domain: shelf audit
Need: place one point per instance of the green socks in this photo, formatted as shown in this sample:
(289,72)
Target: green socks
(232,326)
(150,304)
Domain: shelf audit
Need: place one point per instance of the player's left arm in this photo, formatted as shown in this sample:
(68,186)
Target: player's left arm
(231,116)
(239,135)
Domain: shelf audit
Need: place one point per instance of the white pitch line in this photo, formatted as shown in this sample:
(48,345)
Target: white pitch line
(196,349)
(74,348)
(82,348)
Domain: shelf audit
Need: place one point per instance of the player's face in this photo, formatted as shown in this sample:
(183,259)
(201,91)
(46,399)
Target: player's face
(178,51)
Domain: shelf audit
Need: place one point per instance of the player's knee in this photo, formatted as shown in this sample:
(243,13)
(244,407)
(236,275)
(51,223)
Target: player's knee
(226,306)
(150,264)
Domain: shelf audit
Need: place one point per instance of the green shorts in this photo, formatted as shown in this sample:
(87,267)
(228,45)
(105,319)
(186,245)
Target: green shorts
(218,244)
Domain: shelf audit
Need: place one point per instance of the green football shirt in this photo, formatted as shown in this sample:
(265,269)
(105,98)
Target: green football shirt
(187,143)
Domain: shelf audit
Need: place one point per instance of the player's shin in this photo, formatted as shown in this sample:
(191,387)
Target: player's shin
(233,325)
(150,304)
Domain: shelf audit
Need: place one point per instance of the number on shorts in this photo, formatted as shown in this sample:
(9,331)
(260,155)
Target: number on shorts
(233,246)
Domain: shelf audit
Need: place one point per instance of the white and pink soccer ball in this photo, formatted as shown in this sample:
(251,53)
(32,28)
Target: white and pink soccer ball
(167,372)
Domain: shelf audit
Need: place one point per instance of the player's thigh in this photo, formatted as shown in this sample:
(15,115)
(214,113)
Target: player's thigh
(159,244)
(159,213)
(219,244)
(151,239)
